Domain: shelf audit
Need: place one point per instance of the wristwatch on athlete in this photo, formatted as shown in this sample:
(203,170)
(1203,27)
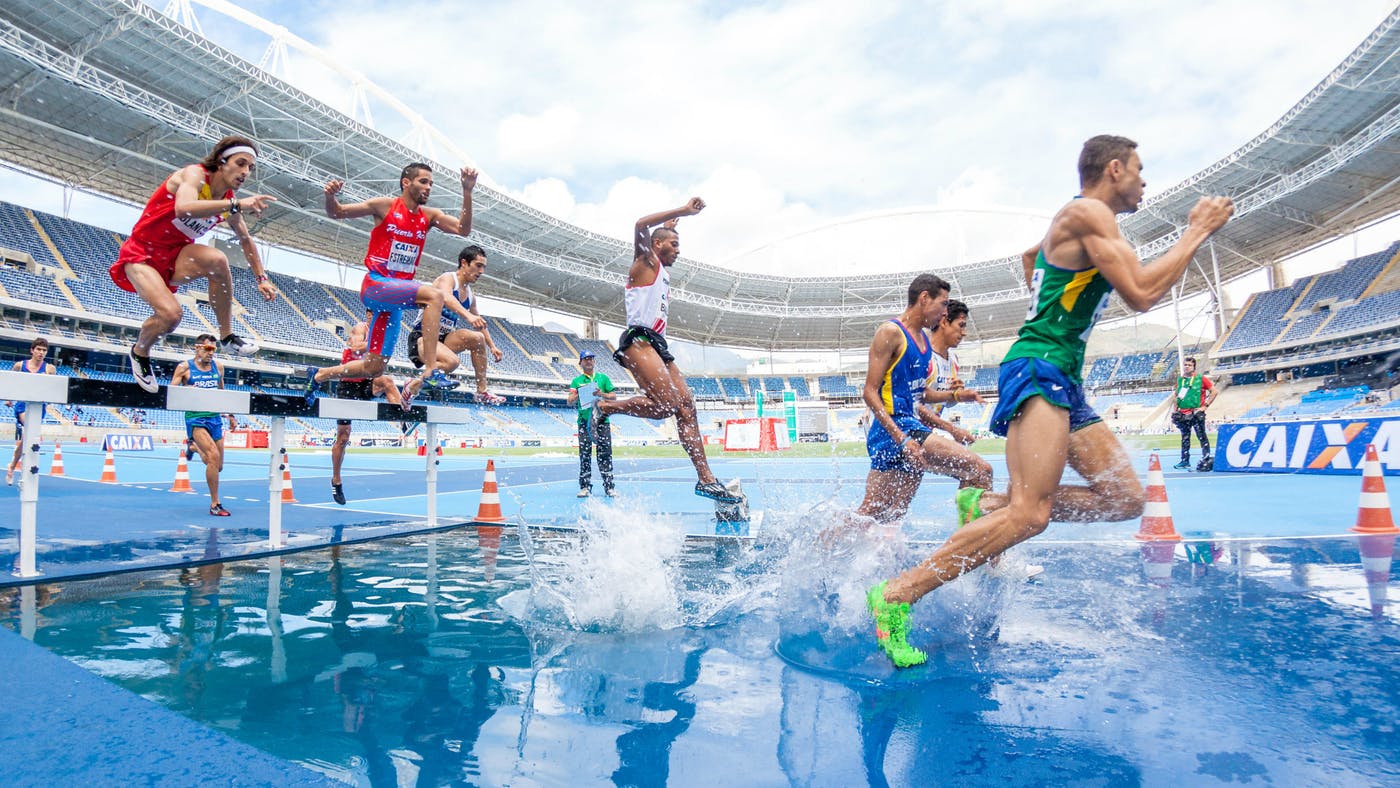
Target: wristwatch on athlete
(233,206)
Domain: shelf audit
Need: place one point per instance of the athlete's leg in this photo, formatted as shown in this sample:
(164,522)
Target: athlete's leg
(474,341)
(197,261)
(1114,492)
(950,458)
(385,387)
(212,454)
(447,350)
(1037,446)
(342,440)
(430,299)
(888,494)
(165,310)
(659,398)
(688,425)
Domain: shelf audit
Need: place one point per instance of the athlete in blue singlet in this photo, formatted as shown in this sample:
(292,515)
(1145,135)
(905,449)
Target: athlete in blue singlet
(461,326)
(36,364)
(205,429)
(895,380)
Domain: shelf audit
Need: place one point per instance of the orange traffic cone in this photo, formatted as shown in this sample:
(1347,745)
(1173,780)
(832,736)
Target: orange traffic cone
(1377,529)
(1373,515)
(109,469)
(57,468)
(287,496)
(1157,523)
(489,511)
(182,475)
(488,538)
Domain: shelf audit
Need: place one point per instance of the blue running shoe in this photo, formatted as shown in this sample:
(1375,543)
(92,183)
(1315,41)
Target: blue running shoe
(312,386)
(440,381)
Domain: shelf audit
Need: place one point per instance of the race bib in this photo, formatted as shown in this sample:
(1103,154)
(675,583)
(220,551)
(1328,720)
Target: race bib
(403,258)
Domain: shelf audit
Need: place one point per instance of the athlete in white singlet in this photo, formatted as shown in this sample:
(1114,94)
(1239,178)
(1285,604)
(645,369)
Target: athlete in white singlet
(642,348)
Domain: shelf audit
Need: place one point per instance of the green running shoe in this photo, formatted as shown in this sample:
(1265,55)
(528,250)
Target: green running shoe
(892,628)
(969,505)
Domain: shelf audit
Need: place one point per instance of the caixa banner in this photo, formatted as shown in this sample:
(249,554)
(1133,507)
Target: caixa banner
(1337,447)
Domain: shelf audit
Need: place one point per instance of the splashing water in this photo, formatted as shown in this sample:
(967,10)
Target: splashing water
(616,573)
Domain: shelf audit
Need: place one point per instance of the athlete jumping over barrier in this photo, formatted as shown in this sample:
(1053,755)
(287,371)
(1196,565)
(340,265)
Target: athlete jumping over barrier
(161,253)
(643,351)
(395,247)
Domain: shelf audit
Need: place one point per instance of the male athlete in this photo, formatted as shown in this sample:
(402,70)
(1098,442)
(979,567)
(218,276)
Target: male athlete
(37,365)
(459,304)
(355,388)
(901,375)
(204,429)
(395,246)
(161,253)
(643,351)
(1042,410)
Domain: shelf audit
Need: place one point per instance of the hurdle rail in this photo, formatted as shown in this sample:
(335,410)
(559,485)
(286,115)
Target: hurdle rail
(35,390)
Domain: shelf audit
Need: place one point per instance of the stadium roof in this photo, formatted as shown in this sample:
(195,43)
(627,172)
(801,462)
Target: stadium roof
(112,95)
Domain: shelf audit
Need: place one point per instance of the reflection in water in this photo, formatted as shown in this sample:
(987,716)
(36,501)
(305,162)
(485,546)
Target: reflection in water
(413,662)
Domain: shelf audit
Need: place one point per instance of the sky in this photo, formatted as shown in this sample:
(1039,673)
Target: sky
(785,116)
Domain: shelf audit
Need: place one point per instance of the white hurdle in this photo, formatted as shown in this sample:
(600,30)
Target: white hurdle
(58,390)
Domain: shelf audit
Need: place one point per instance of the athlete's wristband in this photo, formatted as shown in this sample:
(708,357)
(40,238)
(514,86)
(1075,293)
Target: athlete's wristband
(907,438)
(262,278)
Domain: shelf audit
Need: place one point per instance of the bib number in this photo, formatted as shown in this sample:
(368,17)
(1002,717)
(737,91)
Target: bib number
(403,258)
(1037,278)
(1098,313)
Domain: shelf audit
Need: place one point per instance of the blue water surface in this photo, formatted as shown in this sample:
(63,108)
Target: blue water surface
(631,655)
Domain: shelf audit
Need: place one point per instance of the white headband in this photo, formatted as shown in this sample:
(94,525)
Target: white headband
(237,149)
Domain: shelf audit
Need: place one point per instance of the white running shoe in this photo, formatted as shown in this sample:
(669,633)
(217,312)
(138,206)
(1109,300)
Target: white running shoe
(141,370)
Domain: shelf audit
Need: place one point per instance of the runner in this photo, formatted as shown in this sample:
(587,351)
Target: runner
(355,388)
(395,247)
(38,349)
(161,253)
(1041,408)
(459,304)
(643,351)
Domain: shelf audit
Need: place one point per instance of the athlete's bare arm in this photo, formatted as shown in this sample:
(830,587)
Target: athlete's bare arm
(185,185)
(1028,263)
(888,342)
(1085,233)
(182,374)
(644,260)
(461,224)
(250,252)
(378,207)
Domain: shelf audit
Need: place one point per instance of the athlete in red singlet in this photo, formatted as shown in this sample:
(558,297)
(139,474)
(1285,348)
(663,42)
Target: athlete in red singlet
(355,388)
(161,253)
(395,246)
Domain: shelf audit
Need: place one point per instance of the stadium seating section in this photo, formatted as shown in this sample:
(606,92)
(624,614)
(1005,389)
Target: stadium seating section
(66,292)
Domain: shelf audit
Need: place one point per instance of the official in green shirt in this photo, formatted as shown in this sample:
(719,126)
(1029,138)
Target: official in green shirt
(582,392)
(1193,395)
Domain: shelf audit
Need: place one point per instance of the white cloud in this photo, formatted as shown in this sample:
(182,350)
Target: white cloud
(801,111)
(544,141)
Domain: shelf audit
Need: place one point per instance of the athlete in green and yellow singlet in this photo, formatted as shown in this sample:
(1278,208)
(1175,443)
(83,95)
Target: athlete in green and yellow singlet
(1041,407)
